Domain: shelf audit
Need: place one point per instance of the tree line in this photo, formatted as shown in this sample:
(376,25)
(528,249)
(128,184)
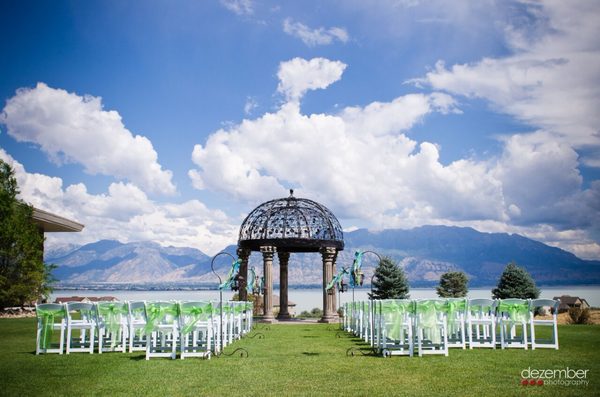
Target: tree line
(390,282)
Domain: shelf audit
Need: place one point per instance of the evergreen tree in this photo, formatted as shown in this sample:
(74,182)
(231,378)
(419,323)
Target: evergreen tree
(24,277)
(515,282)
(453,285)
(389,281)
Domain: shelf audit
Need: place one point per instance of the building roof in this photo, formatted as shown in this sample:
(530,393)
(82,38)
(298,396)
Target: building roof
(570,300)
(50,222)
(65,299)
(291,224)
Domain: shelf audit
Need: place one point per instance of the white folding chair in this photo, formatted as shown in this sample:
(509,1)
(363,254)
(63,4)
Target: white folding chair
(81,318)
(248,317)
(50,317)
(347,316)
(112,326)
(195,329)
(366,320)
(393,320)
(536,342)
(481,323)
(456,309)
(161,329)
(431,327)
(237,313)
(217,329)
(136,322)
(228,323)
(513,318)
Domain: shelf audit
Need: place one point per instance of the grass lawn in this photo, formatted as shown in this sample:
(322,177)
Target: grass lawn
(299,359)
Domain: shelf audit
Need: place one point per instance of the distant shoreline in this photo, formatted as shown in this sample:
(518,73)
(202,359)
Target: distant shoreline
(214,287)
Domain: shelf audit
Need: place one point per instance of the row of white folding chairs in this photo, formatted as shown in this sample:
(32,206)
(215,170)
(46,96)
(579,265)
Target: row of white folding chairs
(139,325)
(461,322)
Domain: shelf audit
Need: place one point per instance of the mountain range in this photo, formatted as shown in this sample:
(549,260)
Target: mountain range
(425,253)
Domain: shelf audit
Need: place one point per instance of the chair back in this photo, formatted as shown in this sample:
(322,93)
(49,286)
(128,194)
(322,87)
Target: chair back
(194,313)
(551,303)
(513,309)
(480,308)
(160,313)
(85,311)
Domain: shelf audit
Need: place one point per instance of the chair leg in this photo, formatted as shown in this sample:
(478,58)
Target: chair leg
(68,340)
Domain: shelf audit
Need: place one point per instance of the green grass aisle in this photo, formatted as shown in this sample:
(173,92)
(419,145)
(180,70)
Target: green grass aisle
(299,359)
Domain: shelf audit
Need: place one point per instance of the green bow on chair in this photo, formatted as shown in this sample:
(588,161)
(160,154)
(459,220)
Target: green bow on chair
(454,306)
(517,312)
(428,311)
(47,316)
(394,312)
(156,313)
(196,313)
(111,314)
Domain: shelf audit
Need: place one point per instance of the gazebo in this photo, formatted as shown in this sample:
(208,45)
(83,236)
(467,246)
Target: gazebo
(284,226)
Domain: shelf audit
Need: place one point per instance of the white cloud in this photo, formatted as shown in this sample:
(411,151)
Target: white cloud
(401,114)
(239,7)
(314,37)
(75,129)
(362,164)
(125,213)
(250,105)
(298,75)
(551,79)
(360,160)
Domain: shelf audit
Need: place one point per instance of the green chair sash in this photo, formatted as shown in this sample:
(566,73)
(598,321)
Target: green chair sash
(111,313)
(47,317)
(156,313)
(428,318)
(394,314)
(517,312)
(194,314)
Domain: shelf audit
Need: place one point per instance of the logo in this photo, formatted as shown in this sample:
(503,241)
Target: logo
(553,377)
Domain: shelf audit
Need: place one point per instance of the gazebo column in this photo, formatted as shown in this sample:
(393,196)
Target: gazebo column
(328,254)
(268,252)
(243,254)
(334,296)
(284,258)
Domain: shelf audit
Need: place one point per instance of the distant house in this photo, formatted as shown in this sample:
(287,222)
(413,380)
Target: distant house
(85,299)
(567,302)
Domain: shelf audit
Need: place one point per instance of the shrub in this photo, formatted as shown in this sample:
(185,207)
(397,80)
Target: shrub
(515,282)
(390,281)
(579,315)
(453,285)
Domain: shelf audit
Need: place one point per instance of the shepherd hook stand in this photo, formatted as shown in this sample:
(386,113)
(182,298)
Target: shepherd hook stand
(212,262)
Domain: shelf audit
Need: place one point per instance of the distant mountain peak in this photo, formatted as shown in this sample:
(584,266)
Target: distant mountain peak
(425,253)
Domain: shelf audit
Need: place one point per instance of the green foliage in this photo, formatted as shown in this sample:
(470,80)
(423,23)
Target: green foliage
(314,313)
(24,277)
(579,315)
(389,282)
(453,285)
(515,282)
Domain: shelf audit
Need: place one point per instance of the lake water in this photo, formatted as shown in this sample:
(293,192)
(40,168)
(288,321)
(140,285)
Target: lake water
(307,299)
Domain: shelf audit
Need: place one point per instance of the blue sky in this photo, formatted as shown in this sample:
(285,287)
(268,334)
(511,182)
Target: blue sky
(170,121)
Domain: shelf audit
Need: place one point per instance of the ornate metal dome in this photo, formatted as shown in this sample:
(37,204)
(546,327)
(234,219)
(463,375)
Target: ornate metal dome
(292,225)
